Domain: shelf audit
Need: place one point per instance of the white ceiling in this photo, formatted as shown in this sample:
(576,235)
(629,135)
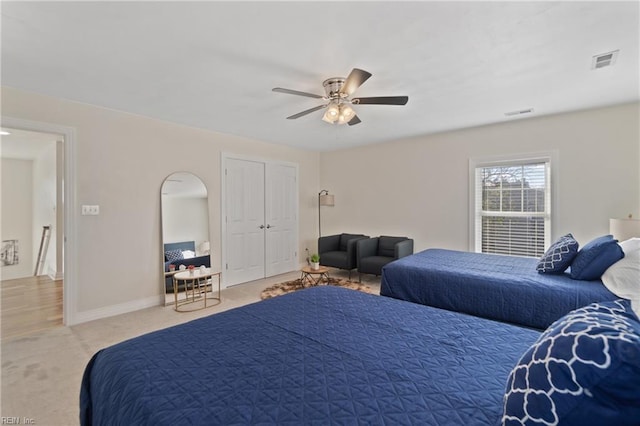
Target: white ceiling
(212,65)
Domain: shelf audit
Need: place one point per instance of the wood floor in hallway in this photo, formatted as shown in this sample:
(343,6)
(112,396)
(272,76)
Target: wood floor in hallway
(30,304)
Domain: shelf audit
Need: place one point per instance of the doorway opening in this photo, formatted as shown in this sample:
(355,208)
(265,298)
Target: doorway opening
(59,267)
(32,251)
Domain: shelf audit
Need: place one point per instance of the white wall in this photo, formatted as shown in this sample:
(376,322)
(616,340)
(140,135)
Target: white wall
(122,160)
(419,187)
(17,202)
(44,205)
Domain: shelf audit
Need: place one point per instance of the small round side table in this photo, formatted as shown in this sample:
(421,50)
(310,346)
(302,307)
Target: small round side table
(313,277)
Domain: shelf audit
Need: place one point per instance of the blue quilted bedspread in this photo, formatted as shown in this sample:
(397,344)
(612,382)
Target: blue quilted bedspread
(503,288)
(319,356)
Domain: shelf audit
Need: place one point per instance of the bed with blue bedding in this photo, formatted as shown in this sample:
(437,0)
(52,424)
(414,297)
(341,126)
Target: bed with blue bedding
(503,288)
(323,355)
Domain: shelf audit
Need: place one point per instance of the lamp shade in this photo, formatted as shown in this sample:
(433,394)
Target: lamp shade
(623,229)
(205,247)
(327,200)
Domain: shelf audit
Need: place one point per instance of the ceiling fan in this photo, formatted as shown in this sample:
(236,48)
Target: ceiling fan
(338,91)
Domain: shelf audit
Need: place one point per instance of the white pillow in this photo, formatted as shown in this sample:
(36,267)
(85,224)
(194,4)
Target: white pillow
(623,277)
(188,254)
(630,245)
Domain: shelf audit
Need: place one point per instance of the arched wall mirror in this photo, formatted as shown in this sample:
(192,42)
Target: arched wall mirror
(185,227)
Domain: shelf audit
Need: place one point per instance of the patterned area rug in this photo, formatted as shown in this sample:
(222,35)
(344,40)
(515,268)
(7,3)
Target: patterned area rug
(291,286)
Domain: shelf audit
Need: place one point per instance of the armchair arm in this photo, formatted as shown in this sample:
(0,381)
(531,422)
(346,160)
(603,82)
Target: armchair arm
(328,243)
(404,248)
(352,249)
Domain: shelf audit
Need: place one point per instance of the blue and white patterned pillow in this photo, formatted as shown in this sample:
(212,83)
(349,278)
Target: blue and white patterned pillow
(173,255)
(558,256)
(583,370)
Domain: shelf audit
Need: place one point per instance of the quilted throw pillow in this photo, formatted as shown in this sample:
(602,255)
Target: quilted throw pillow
(583,370)
(558,256)
(595,257)
(173,255)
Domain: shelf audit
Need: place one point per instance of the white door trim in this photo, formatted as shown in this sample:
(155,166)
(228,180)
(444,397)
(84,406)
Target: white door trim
(223,201)
(70,291)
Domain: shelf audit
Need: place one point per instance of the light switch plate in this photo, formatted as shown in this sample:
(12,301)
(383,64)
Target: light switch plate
(90,210)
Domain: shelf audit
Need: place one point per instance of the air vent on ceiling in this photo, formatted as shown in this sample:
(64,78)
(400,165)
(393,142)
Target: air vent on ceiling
(519,112)
(604,60)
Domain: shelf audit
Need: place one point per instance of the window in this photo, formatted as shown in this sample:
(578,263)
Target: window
(512,207)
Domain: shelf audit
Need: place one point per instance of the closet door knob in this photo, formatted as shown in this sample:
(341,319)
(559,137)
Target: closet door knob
(261,226)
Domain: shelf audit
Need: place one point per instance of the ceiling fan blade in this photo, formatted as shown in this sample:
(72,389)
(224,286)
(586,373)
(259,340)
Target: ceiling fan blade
(355,120)
(308,111)
(381,100)
(295,92)
(354,80)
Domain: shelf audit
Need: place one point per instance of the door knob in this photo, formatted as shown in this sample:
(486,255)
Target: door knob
(269,226)
(261,226)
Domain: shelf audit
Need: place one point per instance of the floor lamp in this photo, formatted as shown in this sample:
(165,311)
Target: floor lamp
(324,199)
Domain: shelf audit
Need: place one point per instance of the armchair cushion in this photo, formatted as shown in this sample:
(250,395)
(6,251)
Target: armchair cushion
(387,245)
(374,253)
(339,251)
(344,240)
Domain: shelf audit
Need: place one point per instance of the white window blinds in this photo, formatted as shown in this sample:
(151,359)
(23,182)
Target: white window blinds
(512,208)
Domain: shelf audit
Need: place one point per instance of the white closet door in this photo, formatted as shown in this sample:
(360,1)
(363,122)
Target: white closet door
(281,218)
(245,224)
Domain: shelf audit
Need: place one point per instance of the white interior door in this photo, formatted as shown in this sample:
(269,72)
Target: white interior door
(281,216)
(261,222)
(245,224)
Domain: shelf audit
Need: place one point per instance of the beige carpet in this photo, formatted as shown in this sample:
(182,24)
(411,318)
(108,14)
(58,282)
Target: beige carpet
(294,285)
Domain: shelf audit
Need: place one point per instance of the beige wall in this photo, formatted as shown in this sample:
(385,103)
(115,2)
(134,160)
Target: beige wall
(122,160)
(419,187)
(416,187)
(17,213)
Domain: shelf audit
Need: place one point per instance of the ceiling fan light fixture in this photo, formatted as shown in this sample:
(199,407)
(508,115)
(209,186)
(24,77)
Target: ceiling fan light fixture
(338,93)
(346,114)
(332,113)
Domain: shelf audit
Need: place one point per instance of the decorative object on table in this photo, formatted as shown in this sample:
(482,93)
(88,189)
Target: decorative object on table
(624,229)
(182,267)
(324,199)
(294,285)
(191,269)
(203,269)
(172,267)
(315,261)
(9,253)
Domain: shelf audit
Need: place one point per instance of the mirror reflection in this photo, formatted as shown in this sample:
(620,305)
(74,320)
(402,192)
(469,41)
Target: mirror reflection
(185,227)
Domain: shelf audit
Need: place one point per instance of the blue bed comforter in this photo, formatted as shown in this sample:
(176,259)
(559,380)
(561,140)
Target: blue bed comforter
(503,288)
(321,356)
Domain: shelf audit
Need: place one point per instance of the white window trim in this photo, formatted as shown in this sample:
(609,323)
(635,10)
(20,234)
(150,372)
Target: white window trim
(552,157)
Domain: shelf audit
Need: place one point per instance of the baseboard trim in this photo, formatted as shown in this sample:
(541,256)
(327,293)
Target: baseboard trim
(55,276)
(122,308)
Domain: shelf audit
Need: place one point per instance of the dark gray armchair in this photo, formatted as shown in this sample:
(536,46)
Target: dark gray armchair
(339,251)
(374,253)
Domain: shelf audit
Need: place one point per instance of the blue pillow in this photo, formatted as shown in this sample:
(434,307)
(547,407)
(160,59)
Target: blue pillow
(595,258)
(583,370)
(558,256)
